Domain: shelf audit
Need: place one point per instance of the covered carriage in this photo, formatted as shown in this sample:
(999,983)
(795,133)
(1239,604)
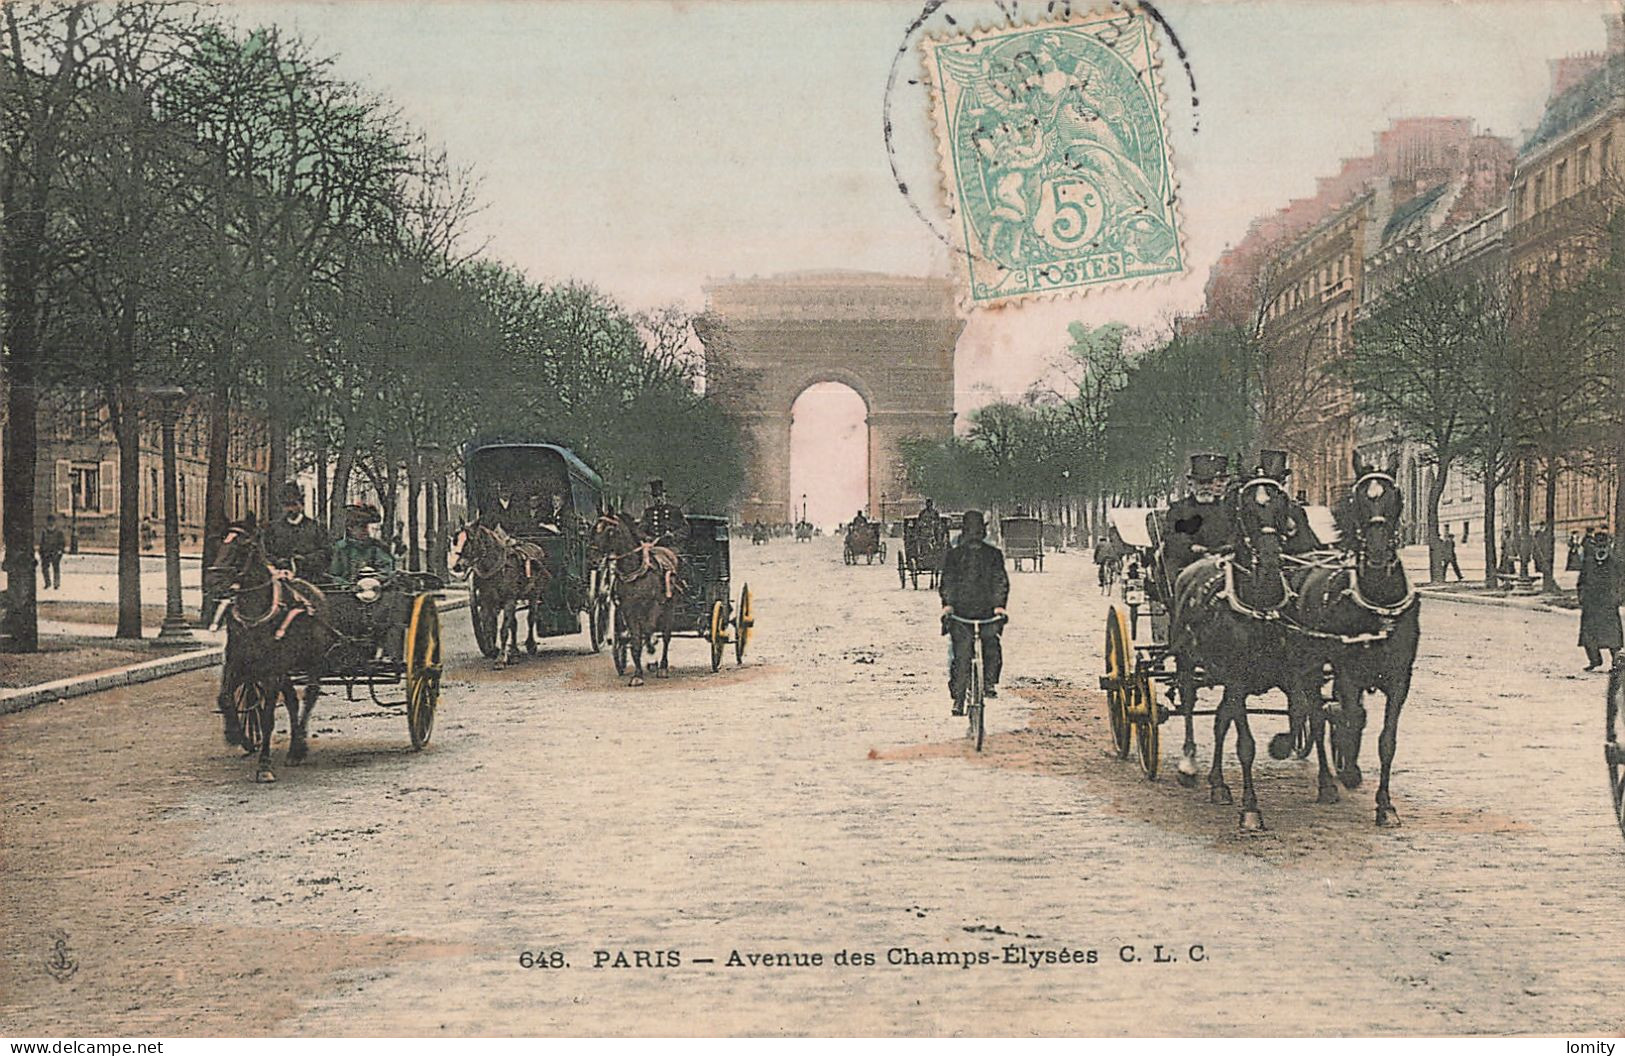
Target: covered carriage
(863,539)
(543,494)
(1023,540)
(925,544)
(703,607)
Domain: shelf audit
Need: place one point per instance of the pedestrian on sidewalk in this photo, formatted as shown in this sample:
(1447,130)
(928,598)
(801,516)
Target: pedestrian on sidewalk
(52,545)
(1599,601)
(1447,547)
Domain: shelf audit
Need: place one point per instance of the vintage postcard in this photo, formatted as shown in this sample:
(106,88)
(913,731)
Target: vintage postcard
(913,518)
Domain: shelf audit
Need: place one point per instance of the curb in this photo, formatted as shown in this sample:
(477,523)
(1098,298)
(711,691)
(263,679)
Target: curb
(15,700)
(1504,603)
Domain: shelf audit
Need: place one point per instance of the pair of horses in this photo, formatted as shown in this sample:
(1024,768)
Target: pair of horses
(1260,619)
(503,572)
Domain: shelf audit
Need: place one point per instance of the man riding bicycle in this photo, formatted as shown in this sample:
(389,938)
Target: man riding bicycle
(974,586)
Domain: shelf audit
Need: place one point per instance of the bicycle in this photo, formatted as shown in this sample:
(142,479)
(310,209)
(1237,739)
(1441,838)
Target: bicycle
(975,701)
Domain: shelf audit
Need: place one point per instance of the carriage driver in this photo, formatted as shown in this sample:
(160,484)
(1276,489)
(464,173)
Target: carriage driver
(296,542)
(663,522)
(974,586)
(929,522)
(1302,539)
(1201,523)
(359,549)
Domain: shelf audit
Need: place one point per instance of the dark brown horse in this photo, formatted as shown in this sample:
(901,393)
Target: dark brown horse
(1363,618)
(646,588)
(1226,619)
(276,626)
(503,572)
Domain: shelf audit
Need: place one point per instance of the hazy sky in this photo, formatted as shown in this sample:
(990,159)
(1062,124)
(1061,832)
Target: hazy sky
(647,146)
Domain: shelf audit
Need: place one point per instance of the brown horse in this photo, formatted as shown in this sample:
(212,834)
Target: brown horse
(276,625)
(646,588)
(503,572)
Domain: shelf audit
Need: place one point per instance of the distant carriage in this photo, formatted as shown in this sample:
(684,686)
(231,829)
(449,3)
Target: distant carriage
(922,552)
(1023,539)
(863,539)
(804,531)
(703,608)
(558,498)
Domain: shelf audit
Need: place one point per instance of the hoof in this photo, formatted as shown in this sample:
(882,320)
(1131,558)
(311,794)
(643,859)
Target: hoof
(637,680)
(1220,794)
(1185,780)
(265,777)
(1387,818)
(1328,794)
(1280,746)
(1252,821)
(1351,777)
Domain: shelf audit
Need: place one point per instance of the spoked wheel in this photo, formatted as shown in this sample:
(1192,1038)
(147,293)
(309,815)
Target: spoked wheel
(422,670)
(598,622)
(622,650)
(249,699)
(902,572)
(485,625)
(883,552)
(1118,681)
(718,632)
(1612,751)
(744,620)
(1147,715)
(1302,743)
(975,708)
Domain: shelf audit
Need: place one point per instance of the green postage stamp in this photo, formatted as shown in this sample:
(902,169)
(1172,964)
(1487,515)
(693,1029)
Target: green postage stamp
(1055,159)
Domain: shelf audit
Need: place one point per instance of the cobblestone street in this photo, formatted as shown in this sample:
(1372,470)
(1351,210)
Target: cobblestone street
(818,799)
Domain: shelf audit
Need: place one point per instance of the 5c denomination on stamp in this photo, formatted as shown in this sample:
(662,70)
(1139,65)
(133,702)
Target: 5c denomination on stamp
(1055,158)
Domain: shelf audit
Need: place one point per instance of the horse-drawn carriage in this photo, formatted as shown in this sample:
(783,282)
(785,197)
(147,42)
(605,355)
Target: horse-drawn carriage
(863,539)
(544,499)
(690,600)
(924,546)
(285,634)
(1023,539)
(1256,618)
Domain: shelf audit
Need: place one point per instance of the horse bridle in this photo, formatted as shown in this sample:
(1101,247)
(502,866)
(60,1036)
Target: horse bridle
(1378,521)
(479,568)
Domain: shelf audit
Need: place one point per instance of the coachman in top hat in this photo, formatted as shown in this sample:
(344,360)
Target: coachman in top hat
(1202,522)
(1301,539)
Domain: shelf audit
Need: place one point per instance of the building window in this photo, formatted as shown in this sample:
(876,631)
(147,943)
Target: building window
(1585,166)
(1607,159)
(1560,183)
(87,488)
(1540,192)
(153,490)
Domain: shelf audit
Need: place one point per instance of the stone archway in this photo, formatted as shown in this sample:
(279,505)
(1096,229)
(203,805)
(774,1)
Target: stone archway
(888,338)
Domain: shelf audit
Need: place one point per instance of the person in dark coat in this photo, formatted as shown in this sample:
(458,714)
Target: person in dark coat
(1447,555)
(1599,601)
(1272,465)
(1201,522)
(295,541)
(663,521)
(974,586)
(53,543)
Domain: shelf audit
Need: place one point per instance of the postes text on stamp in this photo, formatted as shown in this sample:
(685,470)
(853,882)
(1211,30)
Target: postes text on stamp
(1053,140)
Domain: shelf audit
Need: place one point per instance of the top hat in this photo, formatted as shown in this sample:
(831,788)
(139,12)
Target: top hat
(360,513)
(291,492)
(657,487)
(1208,466)
(973,524)
(1272,464)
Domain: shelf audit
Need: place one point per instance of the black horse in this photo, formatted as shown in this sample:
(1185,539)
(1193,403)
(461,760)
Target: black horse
(1361,616)
(276,625)
(1226,620)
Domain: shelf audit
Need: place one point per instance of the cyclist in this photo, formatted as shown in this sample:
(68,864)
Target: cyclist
(974,586)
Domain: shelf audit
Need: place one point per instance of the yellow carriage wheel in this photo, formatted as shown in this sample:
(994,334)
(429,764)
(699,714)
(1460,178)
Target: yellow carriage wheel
(1118,679)
(422,669)
(743,622)
(1147,724)
(718,633)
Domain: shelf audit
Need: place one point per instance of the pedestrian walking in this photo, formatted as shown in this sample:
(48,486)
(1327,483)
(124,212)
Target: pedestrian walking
(1447,547)
(1576,550)
(1599,601)
(1506,566)
(52,545)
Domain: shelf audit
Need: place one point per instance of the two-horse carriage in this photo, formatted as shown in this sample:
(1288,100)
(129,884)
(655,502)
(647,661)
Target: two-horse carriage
(864,539)
(1255,619)
(1023,539)
(925,544)
(675,591)
(528,550)
(284,634)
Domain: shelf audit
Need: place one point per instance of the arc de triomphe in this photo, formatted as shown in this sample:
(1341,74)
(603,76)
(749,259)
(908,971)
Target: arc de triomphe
(888,338)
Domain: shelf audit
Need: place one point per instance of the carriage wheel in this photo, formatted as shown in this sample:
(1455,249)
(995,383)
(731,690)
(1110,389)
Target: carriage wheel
(249,699)
(718,632)
(1302,744)
(422,670)
(1148,728)
(622,650)
(902,571)
(598,622)
(743,622)
(485,625)
(1612,752)
(882,551)
(1117,682)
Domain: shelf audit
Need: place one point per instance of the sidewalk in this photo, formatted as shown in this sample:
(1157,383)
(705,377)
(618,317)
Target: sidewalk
(1470,590)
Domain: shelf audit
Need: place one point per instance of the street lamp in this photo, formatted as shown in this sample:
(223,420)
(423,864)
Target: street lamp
(803,506)
(433,530)
(1525,500)
(174,629)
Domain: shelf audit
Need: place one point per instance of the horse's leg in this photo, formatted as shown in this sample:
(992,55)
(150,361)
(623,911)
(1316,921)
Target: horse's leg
(269,696)
(1317,733)
(296,728)
(1350,729)
(665,636)
(1186,773)
(507,634)
(1217,790)
(637,627)
(1397,689)
(231,677)
(1236,702)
